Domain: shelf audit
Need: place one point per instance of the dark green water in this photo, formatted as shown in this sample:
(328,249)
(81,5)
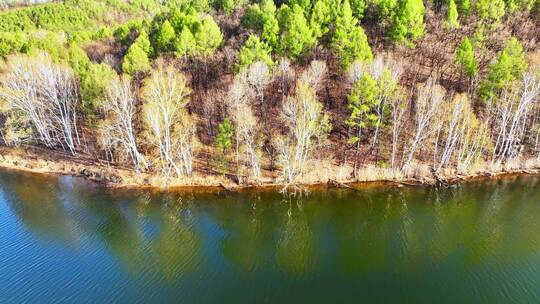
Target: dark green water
(66,241)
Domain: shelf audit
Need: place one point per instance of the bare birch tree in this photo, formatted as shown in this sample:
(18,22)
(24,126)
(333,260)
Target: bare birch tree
(248,144)
(314,75)
(398,108)
(117,132)
(170,129)
(386,71)
(475,143)
(307,127)
(46,94)
(285,73)
(430,96)
(258,77)
(452,130)
(512,117)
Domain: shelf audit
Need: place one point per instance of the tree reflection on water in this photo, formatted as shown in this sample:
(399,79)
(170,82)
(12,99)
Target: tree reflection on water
(171,235)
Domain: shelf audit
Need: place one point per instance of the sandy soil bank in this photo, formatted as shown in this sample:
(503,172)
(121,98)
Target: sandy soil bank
(327,174)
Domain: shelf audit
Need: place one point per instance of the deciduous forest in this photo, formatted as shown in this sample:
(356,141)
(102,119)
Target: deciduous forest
(239,92)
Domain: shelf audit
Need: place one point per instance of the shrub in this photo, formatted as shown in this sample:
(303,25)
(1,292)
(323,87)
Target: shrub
(11,43)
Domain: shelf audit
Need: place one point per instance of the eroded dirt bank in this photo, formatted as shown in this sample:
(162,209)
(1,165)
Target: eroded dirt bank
(328,174)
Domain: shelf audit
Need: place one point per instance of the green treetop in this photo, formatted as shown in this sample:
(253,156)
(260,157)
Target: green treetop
(508,68)
(93,86)
(165,37)
(298,37)
(479,36)
(345,21)
(358,8)
(452,15)
(521,5)
(262,17)
(144,42)
(135,61)
(321,17)
(78,60)
(50,43)
(408,21)
(226,5)
(270,26)
(181,19)
(208,37)
(223,142)
(386,8)
(349,39)
(490,11)
(11,42)
(464,7)
(252,17)
(304,4)
(268,7)
(224,138)
(465,58)
(254,50)
(184,43)
(362,101)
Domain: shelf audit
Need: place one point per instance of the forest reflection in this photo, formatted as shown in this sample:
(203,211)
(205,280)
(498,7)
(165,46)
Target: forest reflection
(170,235)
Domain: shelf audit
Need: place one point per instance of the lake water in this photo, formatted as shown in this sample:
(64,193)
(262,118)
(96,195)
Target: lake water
(63,240)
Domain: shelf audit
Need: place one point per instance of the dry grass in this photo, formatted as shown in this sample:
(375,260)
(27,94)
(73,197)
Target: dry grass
(372,173)
(418,171)
(321,171)
(326,170)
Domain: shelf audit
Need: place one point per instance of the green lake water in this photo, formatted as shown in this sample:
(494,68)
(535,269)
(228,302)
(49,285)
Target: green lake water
(64,240)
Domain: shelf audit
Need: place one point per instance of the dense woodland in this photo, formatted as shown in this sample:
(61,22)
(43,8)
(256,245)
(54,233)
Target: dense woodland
(263,91)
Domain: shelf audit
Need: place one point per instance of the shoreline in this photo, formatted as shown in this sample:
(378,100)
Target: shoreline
(37,161)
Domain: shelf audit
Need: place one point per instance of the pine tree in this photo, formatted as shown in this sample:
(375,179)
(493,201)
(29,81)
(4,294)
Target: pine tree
(184,43)
(490,10)
(304,4)
(268,7)
(509,67)
(11,43)
(208,37)
(408,21)
(136,60)
(224,138)
(349,39)
(358,8)
(465,58)
(226,5)
(262,17)
(78,60)
(362,102)
(270,26)
(254,50)
(298,37)
(321,17)
(93,87)
(479,36)
(252,18)
(223,142)
(386,8)
(165,37)
(452,16)
(144,42)
(464,7)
